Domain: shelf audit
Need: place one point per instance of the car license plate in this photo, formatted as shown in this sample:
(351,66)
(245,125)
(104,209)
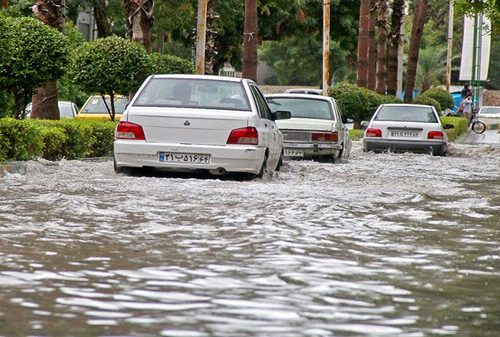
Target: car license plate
(409,134)
(191,158)
(294,153)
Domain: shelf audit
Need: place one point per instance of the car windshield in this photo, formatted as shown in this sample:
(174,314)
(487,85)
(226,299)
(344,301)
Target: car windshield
(490,110)
(199,93)
(96,105)
(406,113)
(302,107)
(66,110)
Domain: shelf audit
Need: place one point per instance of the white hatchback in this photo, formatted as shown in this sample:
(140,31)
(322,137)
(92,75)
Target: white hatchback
(406,128)
(198,122)
(316,129)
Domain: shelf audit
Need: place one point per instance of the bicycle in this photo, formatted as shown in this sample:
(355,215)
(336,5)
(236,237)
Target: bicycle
(475,124)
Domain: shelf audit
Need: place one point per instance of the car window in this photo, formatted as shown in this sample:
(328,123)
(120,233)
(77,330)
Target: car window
(66,110)
(96,105)
(406,114)
(262,106)
(200,93)
(302,107)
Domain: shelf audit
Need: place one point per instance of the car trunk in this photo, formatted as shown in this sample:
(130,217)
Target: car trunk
(404,130)
(187,125)
(301,129)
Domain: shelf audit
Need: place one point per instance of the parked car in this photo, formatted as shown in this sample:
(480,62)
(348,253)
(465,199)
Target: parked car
(317,128)
(406,128)
(95,108)
(311,91)
(196,122)
(489,112)
(67,109)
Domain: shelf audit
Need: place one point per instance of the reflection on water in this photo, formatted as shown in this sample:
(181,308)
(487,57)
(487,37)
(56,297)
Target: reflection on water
(383,244)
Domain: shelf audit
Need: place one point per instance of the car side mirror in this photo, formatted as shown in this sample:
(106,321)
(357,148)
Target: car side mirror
(349,120)
(448,126)
(282,115)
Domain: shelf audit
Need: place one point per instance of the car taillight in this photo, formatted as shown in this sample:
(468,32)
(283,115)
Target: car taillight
(325,137)
(373,132)
(435,135)
(127,130)
(248,135)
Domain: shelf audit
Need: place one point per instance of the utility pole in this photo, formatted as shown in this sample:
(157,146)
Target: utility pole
(326,46)
(201,33)
(450,45)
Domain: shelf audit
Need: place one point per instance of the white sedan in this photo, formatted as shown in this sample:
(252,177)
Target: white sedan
(197,122)
(406,128)
(316,129)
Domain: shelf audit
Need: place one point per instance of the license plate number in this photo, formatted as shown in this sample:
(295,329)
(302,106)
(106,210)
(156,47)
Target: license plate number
(294,153)
(409,134)
(192,158)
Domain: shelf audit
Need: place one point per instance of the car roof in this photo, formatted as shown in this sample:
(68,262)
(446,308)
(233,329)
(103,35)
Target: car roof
(291,95)
(200,77)
(407,105)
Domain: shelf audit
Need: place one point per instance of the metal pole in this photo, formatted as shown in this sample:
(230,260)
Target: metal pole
(450,45)
(474,58)
(326,46)
(201,34)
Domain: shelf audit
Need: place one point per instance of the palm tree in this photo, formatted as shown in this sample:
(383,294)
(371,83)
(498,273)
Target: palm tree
(397,17)
(382,45)
(101,19)
(372,53)
(419,19)
(363,43)
(44,100)
(140,20)
(250,40)
(431,68)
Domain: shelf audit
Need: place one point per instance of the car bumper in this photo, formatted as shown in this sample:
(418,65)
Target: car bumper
(404,146)
(311,149)
(229,158)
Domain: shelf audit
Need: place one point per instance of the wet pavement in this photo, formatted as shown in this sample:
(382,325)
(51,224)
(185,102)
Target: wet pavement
(380,245)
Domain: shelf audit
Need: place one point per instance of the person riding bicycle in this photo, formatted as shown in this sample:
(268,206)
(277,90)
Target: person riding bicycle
(466,108)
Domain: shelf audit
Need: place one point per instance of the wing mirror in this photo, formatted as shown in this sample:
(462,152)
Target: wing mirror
(282,115)
(448,126)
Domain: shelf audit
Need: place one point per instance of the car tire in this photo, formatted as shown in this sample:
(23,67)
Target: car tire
(280,162)
(121,169)
(263,169)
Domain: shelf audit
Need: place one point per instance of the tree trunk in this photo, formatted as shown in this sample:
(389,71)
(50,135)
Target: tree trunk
(101,19)
(363,43)
(250,40)
(372,53)
(140,20)
(44,100)
(419,18)
(397,16)
(210,43)
(382,46)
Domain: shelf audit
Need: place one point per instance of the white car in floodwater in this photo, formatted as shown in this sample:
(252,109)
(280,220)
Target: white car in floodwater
(197,122)
(317,128)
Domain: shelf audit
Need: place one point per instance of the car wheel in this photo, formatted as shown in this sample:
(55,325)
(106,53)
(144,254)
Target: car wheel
(121,170)
(280,162)
(263,168)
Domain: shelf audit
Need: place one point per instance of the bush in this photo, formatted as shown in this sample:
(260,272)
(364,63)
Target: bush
(19,140)
(170,64)
(442,96)
(460,126)
(426,100)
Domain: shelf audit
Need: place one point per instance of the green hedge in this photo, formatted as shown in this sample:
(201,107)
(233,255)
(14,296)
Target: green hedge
(54,140)
(460,126)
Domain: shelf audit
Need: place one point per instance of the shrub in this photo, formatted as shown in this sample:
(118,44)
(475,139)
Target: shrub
(19,140)
(442,96)
(426,100)
(460,126)
(170,64)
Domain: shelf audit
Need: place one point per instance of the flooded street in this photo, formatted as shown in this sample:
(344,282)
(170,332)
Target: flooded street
(380,245)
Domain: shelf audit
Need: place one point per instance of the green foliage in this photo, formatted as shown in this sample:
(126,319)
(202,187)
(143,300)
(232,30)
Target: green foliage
(170,64)
(53,140)
(36,53)
(460,126)
(356,134)
(109,66)
(442,96)
(491,8)
(427,100)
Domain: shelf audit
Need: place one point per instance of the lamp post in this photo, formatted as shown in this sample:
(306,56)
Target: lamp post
(201,33)
(326,46)
(450,45)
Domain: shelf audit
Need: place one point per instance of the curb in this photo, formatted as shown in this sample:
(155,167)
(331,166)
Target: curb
(13,168)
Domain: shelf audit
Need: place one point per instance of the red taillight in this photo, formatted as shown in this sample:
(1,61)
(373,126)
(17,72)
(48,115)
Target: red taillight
(248,136)
(435,135)
(127,130)
(325,137)
(373,132)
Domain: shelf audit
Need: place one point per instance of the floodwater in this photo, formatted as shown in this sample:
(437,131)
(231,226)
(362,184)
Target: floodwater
(380,245)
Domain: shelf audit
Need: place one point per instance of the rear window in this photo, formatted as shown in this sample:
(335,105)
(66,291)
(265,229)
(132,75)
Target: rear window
(301,107)
(199,93)
(96,105)
(406,114)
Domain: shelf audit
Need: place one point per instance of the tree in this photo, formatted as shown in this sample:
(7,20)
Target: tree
(110,66)
(419,19)
(250,40)
(397,17)
(44,100)
(372,52)
(381,46)
(170,64)
(101,18)
(140,20)
(363,43)
(25,68)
